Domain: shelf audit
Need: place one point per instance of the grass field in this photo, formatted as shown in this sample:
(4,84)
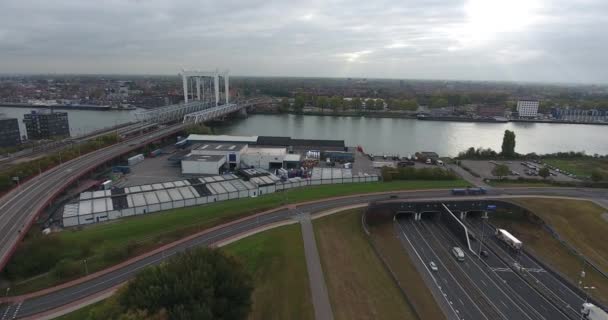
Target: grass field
(359,286)
(580,167)
(276,260)
(405,272)
(578,222)
(106,244)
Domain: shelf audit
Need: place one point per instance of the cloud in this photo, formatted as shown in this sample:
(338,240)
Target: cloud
(521,40)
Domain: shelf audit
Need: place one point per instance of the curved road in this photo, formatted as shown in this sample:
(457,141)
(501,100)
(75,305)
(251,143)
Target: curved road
(32,305)
(19,208)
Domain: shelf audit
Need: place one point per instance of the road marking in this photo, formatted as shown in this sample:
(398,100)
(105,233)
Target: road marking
(17,310)
(8,307)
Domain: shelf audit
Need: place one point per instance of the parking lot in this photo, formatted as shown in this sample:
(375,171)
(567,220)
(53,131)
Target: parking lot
(525,169)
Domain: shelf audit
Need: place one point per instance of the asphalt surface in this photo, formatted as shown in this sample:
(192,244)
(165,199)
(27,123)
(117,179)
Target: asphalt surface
(67,295)
(318,288)
(19,207)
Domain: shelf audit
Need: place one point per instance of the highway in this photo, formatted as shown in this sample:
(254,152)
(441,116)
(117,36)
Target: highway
(37,304)
(19,208)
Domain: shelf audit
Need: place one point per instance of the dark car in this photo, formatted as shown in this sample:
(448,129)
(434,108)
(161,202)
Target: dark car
(484,253)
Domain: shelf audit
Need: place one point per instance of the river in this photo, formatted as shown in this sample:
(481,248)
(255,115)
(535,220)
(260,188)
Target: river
(406,136)
(379,135)
(81,121)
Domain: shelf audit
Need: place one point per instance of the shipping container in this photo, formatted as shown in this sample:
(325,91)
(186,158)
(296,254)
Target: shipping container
(135,159)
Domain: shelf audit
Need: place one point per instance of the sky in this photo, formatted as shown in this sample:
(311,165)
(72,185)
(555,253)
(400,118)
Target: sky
(507,40)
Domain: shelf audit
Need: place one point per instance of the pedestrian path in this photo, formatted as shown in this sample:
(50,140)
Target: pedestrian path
(318,289)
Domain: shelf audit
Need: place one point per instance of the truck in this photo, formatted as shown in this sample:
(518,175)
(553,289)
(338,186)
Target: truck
(476,191)
(459,192)
(106,185)
(590,311)
(509,239)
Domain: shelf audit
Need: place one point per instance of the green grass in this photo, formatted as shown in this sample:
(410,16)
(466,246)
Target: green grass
(359,286)
(580,167)
(80,314)
(106,244)
(276,260)
(575,221)
(516,183)
(410,280)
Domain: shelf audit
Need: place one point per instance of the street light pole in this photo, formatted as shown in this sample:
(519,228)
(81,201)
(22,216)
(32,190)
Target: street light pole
(86,268)
(7,290)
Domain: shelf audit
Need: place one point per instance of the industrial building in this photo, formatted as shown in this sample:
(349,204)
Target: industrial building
(105,205)
(46,124)
(527,108)
(9,132)
(265,152)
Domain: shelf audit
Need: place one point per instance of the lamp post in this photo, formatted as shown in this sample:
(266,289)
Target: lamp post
(484,216)
(86,267)
(7,290)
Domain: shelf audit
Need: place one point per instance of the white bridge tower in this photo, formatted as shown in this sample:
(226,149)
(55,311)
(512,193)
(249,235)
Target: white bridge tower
(205,86)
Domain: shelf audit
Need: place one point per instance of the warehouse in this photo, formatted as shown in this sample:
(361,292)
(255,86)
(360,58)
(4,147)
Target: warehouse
(203,164)
(266,158)
(99,206)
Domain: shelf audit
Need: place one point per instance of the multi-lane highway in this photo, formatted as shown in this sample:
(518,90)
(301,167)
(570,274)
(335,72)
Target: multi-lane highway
(39,303)
(19,207)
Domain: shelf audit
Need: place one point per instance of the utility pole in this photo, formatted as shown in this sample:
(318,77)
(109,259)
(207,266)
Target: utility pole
(86,267)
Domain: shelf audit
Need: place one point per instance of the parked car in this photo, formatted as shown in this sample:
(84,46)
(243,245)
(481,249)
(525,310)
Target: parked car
(433,266)
(484,253)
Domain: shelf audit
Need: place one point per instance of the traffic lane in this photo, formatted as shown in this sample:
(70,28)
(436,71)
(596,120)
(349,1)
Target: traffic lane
(479,274)
(570,299)
(476,276)
(468,307)
(544,307)
(64,296)
(457,297)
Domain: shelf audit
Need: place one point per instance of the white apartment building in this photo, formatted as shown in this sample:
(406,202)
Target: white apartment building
(527,108)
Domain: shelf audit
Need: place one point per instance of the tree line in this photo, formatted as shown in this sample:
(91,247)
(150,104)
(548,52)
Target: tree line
(339,103)
(31,168)
(411,173)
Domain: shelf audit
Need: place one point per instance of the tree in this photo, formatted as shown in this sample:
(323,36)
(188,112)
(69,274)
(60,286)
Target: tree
(596,175)
(322,102)
(501,171)
(284,106)
(544,172)
(370,104)
(336,103)
(356,104)
(508,144)
(198,284)
(298,104)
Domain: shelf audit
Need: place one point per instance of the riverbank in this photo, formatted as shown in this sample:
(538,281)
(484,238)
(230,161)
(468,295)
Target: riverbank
(409,115)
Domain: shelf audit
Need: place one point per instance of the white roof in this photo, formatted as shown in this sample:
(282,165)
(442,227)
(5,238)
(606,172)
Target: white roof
(222,138)
(146,187)
(186,193)
(86,195)
(163,196)
(175,195)
(168,185)
(194,192)
(509,236)
(228,186)
(138,200)
(157,186)
(151,198)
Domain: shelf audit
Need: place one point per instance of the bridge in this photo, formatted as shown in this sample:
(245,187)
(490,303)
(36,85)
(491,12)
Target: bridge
(20,207)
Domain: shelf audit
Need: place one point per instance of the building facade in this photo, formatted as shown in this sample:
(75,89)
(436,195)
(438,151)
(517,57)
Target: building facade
(581,115)
(9,132)
(46,125)
(527,108)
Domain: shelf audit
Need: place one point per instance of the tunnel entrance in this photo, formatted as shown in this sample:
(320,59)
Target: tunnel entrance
(429,215)
(474,214)
(406,215)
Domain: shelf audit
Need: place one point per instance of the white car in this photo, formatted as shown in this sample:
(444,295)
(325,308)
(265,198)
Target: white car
(433,266)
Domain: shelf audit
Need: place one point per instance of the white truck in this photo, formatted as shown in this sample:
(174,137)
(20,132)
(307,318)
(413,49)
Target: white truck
(509,239)
(590,311)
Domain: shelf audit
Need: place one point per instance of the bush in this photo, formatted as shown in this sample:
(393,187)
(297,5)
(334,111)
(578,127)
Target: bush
(38,256)
(68,269)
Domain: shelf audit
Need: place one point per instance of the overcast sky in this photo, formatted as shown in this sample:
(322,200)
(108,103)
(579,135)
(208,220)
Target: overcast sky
(513,40)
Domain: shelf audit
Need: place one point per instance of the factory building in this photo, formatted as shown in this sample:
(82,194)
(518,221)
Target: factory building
(527,108)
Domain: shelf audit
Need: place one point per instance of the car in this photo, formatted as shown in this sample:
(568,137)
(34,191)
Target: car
(393,196)
(483,253)
(433,266)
